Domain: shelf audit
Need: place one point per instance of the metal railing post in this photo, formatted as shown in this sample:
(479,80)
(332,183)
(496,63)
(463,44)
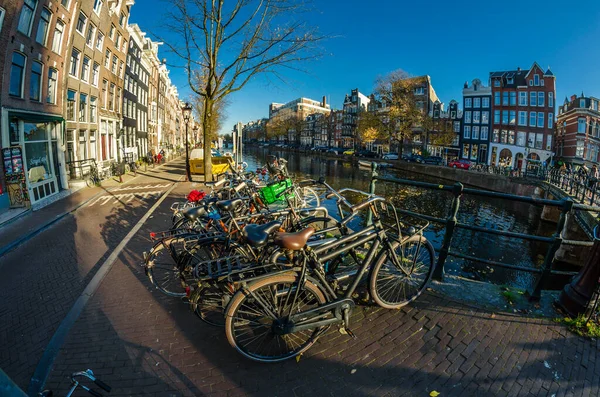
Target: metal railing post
(438,272)
(372,190)
(536,295)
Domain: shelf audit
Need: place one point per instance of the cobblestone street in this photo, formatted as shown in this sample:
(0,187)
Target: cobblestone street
(143,343)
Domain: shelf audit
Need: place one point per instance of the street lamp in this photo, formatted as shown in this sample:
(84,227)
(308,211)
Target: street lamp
(187,111)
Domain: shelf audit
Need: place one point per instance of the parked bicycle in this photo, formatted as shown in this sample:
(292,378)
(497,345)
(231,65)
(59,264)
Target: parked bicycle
(94,176)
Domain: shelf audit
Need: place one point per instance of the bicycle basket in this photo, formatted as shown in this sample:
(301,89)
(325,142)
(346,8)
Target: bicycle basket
(269,193)
(220,267)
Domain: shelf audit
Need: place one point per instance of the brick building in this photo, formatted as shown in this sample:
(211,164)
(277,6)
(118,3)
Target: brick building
(135,98)
(444,136)
(578,130)
(523,116)
(353,104)
(34,37)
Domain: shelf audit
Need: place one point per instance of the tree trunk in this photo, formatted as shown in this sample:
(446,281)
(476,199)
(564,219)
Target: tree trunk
(207,129)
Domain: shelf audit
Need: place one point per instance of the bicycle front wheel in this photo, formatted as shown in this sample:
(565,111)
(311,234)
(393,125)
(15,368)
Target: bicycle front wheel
(306,197)
(163,267)
(254,312)
(395,283)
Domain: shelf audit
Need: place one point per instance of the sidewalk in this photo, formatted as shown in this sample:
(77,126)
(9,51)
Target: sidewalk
(26,226)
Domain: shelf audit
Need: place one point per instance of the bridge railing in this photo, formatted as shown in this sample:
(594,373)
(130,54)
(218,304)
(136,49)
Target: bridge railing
(451,223)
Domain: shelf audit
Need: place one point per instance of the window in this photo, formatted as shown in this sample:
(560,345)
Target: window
(457,126)
(474,152)
(522,98)
(97,6)
(530,82)
(43,27)
(81,21)
(111,34)
(550,120)
(497,98)
(542,82)
(71,105)
(467,133)
(532,118)
(35,84)
(100,40)
(496,136)
(467,117)
(484,133)
(505,117)
(26,17)
(485,117)
(58,36)
(522,118)
(104,93)
(476,117)
(581,126)
(52,85)
(118,41)
(503,136)
(510,80)
(512,117)
(551,99)
(541,96)
(582,103)
(89,39)
(513,98)
(541,120)
(539,140)
(74,62)
(452,113)
(114,64)
(85,69)
(65,3)
(121,68)
(521,138)
(497,83)
(579,150)
(2,12)
(485,102)
(496,117)
(477,102)
(475,134)
(420,91)
(82,107)
(122,20)
(95,74)
(532,98)
(465,153)
(107,59)
(548,141)
(536,79)
(17,73)
(111,97)
(468,102)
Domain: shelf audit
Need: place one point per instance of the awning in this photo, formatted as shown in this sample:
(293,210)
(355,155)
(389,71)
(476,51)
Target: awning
(35,117)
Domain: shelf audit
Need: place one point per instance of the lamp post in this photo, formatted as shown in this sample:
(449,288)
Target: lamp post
(187,111)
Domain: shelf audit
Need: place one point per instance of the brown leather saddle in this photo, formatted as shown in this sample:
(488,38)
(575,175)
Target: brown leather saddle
(294,241)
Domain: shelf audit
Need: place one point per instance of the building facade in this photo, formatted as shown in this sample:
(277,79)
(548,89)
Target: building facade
(297,110)
(476,122)
(578,130)
(354,103)
(523,116)
(444,136)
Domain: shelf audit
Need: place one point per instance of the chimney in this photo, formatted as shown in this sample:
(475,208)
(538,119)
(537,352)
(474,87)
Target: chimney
(324,101)
(573,97)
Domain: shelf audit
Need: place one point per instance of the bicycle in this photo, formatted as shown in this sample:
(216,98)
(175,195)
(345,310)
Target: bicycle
(93,178)
(280,316)
(75,384)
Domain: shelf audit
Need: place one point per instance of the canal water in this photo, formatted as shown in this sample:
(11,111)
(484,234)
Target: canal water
(498,214)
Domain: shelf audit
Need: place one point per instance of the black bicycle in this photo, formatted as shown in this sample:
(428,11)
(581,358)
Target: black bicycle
(280,316)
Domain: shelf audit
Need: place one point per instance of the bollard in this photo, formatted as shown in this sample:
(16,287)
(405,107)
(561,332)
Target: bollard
(372,190)
(438,272)
(576,296)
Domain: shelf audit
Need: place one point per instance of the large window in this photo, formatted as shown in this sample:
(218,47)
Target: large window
(475,134)
(26,17)
(551,100)
(532,118)
(467,117)
(521,138)
(476,102)
(497,98)
(550,120)
(75,54)
(541,120)
(485,117)
(97,6)
(505,117)
(536,79)
(457,126)
(65,3)
(533,98)
(89,38)
(81,21)
(107,59)
(85,69)
(539,141)
(522,98)
(82,107)
(95,74)
(58,36)
(512,116)
(581,125)
(465,153)
(549,143)
(114,64)
(35,84)
(522,118)
(513,98)
(485,101)
(505,98)
(467,134)
(541,98)
(122,20)
(484,133)
(71,105)
(17,73)
(52,85)
(2,12)
(104,93)
(111,97)
(579,150)
(496,117)
(476,117)
(43,27)
(100,40)
(93,109)
(468,102)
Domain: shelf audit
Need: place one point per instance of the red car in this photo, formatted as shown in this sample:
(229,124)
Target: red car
(464,164)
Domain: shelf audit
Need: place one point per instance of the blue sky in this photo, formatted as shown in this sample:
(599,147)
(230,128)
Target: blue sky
(452,41)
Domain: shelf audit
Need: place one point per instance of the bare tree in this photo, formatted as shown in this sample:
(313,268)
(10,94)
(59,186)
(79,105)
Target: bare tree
(225,44)
(217,120)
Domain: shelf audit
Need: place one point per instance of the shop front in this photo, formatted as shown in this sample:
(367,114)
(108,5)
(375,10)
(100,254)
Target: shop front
(36,137)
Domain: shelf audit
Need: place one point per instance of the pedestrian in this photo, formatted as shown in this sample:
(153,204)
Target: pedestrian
(593,178)
(159,157)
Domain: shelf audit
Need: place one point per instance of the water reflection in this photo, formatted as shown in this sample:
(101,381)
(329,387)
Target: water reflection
(479,211)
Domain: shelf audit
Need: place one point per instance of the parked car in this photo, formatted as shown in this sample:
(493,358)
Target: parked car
(336,150)
(413,158)
(390,156)
(366,153)
(463,164)
(349,152)
(434,160)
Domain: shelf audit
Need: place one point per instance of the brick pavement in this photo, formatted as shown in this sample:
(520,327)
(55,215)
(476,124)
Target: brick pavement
(42,278)
(143,343)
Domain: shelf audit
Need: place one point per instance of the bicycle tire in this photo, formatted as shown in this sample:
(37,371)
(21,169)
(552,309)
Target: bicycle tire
(164,270)
(386,278)
(243,299)
(309,198)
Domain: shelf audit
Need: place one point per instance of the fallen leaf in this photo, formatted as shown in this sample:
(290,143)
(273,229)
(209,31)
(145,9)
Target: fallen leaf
(298,358)
(434,393)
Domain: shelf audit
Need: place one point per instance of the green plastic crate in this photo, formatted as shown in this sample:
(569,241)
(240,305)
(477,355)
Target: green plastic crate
(269,193)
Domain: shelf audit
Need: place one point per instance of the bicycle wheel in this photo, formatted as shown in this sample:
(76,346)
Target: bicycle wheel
(163,270)
(89,182)
(210,301)
(253,312)
(393,285)
(306,197)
